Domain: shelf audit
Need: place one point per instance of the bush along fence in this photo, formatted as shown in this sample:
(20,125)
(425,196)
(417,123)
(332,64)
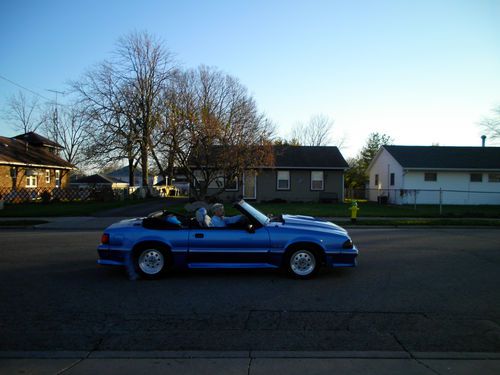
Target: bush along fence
(46,195)
(426,196)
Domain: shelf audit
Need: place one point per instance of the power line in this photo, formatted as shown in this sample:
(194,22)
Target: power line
(24,88)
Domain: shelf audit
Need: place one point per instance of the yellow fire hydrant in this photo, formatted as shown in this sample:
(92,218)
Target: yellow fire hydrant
(354,211)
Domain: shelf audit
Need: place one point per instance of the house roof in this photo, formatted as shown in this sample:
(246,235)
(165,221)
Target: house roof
(300,157)
(308,157)
(98,179)
(444,157)
(123,171)
(14,151)
(37,140)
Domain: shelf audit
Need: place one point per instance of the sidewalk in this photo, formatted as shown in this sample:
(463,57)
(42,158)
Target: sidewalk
(67,223)
(248,362)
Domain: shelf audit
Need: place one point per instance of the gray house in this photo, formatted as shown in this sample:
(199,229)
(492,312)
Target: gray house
(299,174)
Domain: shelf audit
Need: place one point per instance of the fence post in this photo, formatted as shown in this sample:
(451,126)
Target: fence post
(415,199)
(440,201)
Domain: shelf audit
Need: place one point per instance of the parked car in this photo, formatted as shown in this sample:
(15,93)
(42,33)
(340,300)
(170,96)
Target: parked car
(299,244)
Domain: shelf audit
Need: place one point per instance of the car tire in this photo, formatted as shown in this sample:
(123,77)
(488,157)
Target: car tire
(302,263)
(152,261)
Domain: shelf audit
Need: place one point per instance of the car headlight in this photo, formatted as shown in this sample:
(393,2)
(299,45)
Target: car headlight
(347,244)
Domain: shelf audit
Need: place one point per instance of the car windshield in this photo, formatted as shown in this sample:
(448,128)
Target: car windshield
(261,218)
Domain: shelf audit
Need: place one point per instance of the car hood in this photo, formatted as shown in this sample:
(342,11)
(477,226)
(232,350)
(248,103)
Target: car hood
(310,222)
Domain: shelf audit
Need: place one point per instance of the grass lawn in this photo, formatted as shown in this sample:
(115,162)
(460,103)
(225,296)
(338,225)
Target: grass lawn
(367,209)
(371,209)
(39,209)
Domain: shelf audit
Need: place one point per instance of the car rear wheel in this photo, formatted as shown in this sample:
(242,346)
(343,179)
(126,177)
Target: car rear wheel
(303,263)
(151,262)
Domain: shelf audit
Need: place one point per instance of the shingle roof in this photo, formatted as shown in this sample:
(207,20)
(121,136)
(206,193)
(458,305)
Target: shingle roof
(300,157)
(444,157)
(322,157)
(37,140)
(16,151)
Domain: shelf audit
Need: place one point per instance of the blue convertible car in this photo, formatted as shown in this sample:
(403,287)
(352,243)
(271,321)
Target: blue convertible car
(300,244)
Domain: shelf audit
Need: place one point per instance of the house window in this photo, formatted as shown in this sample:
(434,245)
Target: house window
(31,181)
(376,180)
(216,183)
(476,177)
(58,178)
(232,184)
(317,180)
(199,178)
(494,177)
(430,176)
(392,179)
(283,180)
(47,176)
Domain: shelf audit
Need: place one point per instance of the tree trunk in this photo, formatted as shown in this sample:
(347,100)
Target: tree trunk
(131,169)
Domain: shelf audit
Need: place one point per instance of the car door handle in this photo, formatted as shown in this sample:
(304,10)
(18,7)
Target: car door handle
(199,235)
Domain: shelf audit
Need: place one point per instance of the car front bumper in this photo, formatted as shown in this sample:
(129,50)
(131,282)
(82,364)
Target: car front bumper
(346,258)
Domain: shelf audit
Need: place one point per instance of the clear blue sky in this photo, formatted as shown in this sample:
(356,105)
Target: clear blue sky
(421,71)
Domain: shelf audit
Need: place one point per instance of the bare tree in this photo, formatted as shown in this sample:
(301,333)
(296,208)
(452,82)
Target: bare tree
(491,125)
(123,98)
(23,113)
(69,128)
(145,66)
(107,104)
(213,128)
(316,132)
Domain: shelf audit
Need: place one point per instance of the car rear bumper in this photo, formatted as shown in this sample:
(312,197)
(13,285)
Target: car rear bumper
(111,257)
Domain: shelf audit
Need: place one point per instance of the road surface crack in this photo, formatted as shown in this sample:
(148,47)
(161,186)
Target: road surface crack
(412,356)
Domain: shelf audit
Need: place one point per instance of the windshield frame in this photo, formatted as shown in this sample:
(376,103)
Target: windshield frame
(248,210)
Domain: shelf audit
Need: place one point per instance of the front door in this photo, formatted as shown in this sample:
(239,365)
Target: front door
(220,247)
(250,185)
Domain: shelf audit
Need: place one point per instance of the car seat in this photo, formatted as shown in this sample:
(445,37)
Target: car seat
(202,218)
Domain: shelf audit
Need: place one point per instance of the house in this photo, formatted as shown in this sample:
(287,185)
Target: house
(435,174)
(299,174)
(98,181)
(30,161)
(122,174)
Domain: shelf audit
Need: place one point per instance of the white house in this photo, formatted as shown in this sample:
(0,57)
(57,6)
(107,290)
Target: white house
(434,174)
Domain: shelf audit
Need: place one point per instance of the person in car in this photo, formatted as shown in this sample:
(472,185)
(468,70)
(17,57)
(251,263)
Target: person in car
(221,221)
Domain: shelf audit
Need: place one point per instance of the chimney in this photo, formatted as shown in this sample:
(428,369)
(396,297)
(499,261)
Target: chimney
(483,138)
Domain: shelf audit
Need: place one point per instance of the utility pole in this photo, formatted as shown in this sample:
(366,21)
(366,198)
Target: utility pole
(56,115)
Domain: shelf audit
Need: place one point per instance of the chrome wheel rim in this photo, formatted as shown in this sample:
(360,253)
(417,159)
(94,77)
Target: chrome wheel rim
(302,262)
(151,261)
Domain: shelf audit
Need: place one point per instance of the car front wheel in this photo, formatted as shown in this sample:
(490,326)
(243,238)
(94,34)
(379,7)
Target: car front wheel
(151,262)
(303,263)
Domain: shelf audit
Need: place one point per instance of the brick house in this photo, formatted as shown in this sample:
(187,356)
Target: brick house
(31,162)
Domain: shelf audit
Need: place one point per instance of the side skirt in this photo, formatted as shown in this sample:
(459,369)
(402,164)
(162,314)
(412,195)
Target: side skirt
(231,265)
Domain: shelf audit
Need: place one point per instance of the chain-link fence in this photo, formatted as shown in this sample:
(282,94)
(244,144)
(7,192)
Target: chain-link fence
(72,194)
(426,196)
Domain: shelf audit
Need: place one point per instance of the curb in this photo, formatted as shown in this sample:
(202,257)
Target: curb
(248,354)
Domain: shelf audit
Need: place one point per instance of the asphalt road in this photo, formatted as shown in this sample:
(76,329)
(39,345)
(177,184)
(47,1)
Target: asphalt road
(415,290)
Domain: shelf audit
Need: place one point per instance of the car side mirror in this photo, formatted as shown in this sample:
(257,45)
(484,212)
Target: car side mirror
(250,228)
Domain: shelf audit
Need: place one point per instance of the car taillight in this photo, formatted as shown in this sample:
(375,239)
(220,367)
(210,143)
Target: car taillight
(105,239)
(347,245)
